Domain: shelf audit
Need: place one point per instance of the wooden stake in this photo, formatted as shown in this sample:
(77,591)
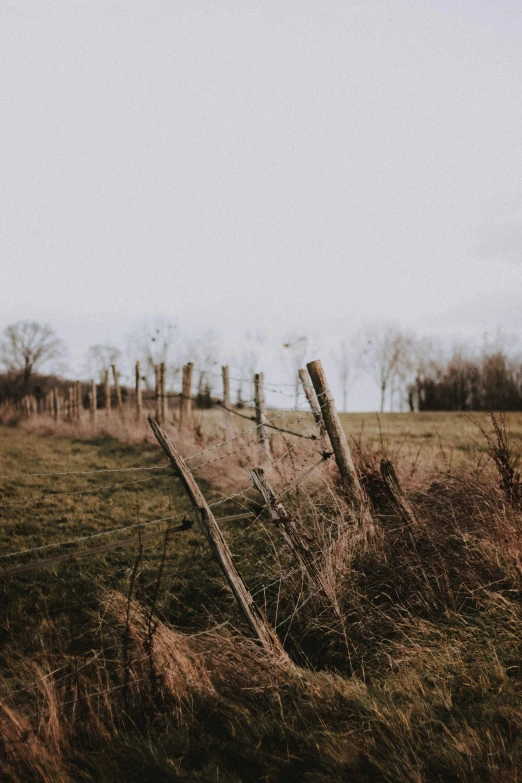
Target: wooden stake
(225,373)
(291,534)
(157,394)
(93,400)
(139,399)
(399,497)
(163,393)
(253,616)
(79,400)
(57,410)
(259,400)
(304,377)
(70,402)
(343,457)
(107,387)
(185,413)
(116,377)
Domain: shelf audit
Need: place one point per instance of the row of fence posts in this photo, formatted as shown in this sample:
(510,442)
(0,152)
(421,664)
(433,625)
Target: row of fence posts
(71,405)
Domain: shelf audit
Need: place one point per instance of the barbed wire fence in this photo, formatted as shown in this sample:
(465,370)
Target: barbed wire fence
(250,441)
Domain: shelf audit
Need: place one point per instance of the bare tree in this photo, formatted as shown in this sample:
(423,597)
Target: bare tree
(386,353)
(27,346)
(343,357)
(154,343)
(100,358)
(295,350)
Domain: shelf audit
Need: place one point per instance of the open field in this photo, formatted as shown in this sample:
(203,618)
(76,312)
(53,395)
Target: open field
(135,664)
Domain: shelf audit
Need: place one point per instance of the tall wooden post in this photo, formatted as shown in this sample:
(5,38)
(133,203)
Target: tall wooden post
(259,399)
(107,387)
(227,402)
(116,378)
(139,399)
(79,400)
(185,413)
(163,393)
(304,377)
(219,546)
(343,457)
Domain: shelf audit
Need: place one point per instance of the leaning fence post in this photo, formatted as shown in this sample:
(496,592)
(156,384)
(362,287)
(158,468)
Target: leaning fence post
(343,457)
(259,400)
(225,373)
(116,377)
(304,377)
(107,387)
(93,400)
(139,403)
(185,413)
(219,546)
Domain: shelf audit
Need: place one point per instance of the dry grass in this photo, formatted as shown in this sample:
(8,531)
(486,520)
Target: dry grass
(407,669)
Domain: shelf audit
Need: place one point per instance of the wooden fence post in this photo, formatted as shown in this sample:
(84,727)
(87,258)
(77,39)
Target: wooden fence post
(70,402)
(107,387)
(225,374)
(304,377)
(343,457)
(259,399)
(79,400)
(93,400)
(219,546)
(397,493)
(116,377)
(157,387)
(185,413)
(139,400)
(57,403)
(163,393)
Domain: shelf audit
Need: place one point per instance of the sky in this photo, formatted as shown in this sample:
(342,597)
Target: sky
(281,166)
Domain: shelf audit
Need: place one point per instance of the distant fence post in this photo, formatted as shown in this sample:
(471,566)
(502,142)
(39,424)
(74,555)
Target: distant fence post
(157,387)
(116,377)
(257,622)
(163,393)
(225,373)
(93,400)
(57,401)
(259,400)
(185,413)
(139,401)
(343,457)
(79,400)
(107,387)
(70,402)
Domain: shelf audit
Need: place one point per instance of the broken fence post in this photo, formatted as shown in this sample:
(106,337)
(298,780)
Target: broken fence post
(397,493)
(253,616)
(308,389)
(259,401)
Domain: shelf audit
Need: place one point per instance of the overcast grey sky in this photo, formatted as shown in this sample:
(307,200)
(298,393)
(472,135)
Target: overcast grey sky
(278,164)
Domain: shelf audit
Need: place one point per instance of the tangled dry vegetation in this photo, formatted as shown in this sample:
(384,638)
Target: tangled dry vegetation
(409,670)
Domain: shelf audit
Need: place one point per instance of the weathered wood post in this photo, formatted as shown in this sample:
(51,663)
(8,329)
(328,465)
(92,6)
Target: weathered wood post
(227,402)
(219,546)
(139,399)
(157,394)
(399,497)
(308,389)
(107,388)
(79,400)
(93,400)
(343,457)
(163,393)
(185,413)
(259,400)
(116,377)
(70,402)
(57,409)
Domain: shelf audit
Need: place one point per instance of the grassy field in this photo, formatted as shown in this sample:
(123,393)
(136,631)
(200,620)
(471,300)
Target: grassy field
(135,664)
